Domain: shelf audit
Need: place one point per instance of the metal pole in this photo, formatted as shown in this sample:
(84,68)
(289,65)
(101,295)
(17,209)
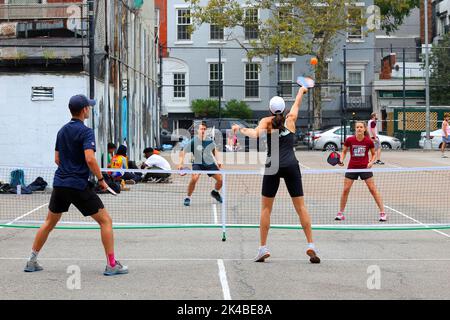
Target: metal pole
(107,122)
(309,121)
(220,81)
(345,92)
(160,96)
(91,56)
(224,207)
(278,72)
(427,145)
(404,100)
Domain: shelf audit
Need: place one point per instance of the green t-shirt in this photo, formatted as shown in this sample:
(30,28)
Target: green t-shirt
(202,150)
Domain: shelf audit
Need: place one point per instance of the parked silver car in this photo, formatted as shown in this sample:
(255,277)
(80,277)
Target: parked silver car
(333,139)
(435,137)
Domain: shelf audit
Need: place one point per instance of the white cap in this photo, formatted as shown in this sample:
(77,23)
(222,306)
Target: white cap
(277,105)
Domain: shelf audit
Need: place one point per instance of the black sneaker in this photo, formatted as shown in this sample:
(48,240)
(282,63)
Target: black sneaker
(380,162)
(216,196)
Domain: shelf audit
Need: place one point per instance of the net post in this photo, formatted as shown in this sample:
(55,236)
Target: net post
(224,206)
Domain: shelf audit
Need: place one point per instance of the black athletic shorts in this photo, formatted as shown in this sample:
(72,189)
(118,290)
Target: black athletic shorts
(292,177)
(356,175)
(87,201)
(205,167)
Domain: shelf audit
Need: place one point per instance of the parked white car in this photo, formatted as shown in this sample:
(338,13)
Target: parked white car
(333,139)
(435,137)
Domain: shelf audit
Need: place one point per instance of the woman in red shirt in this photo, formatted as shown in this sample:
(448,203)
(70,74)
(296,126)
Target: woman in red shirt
(359,146)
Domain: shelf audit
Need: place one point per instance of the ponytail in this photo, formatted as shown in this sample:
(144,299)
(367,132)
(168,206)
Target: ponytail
(278,121)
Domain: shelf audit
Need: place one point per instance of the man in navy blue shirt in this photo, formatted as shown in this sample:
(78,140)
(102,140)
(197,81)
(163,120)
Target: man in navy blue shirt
(75,157)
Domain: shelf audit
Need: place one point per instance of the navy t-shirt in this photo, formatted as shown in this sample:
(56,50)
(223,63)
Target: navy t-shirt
(73,171)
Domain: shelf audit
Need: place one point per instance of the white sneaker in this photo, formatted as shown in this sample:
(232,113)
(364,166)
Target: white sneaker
(263,254)
(383,217)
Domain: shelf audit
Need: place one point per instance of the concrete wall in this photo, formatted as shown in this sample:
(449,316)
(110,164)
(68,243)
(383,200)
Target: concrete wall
(28,127)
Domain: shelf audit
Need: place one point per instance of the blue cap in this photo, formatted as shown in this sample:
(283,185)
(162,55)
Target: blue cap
(80,101)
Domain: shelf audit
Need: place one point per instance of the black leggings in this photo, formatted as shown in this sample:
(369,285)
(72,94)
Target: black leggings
(292,177)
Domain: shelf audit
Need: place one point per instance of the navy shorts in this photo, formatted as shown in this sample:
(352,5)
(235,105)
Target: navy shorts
(356,175)
(292,178)
(205,167)
(87,201)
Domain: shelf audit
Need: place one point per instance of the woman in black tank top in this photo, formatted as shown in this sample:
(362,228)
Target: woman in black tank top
(281,163)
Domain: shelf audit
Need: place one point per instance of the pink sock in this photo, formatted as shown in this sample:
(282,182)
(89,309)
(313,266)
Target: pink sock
(111,260)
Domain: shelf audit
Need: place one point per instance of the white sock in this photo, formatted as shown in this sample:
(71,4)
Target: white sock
(216,190)
(311,245)
(33,256)
(188,197)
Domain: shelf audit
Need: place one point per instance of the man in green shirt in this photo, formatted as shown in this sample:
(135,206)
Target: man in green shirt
(206,158)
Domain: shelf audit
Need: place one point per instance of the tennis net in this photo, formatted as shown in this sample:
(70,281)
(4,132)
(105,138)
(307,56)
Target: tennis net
(413,199)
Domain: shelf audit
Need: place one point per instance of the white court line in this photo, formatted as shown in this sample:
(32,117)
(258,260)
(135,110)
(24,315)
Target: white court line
(223,280)
(416,221)
(26,214)
(303,166)
(215,213)
(394,165)
(231,259)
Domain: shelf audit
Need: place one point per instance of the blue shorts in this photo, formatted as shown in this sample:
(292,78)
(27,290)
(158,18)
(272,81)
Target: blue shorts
(446,140)
(205,167)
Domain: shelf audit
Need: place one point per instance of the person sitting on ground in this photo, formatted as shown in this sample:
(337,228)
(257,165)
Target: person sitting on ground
(120,161)
(156,162)
(111,150)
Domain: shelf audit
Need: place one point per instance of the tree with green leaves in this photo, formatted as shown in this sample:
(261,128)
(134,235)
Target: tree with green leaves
(205,108)
(237,109)
(297,27)
(394,12)
(440,72)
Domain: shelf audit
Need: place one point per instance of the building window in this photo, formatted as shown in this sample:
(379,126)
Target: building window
(355,31)
(24,2)
(443,24)
(216,33)
(183,24)
(286,76)
(215,76)
(325,90)
(354,87)
(252,80)
(251,24)
(42,94)
(179,85)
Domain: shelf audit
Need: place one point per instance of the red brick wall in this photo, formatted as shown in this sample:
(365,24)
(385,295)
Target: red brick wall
(162,6)
(387,63)
(422,22)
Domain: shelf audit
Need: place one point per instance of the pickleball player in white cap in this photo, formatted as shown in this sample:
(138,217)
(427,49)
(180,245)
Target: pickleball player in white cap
(280,130)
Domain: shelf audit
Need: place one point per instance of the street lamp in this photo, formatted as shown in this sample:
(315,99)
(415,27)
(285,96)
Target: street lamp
(427,144)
